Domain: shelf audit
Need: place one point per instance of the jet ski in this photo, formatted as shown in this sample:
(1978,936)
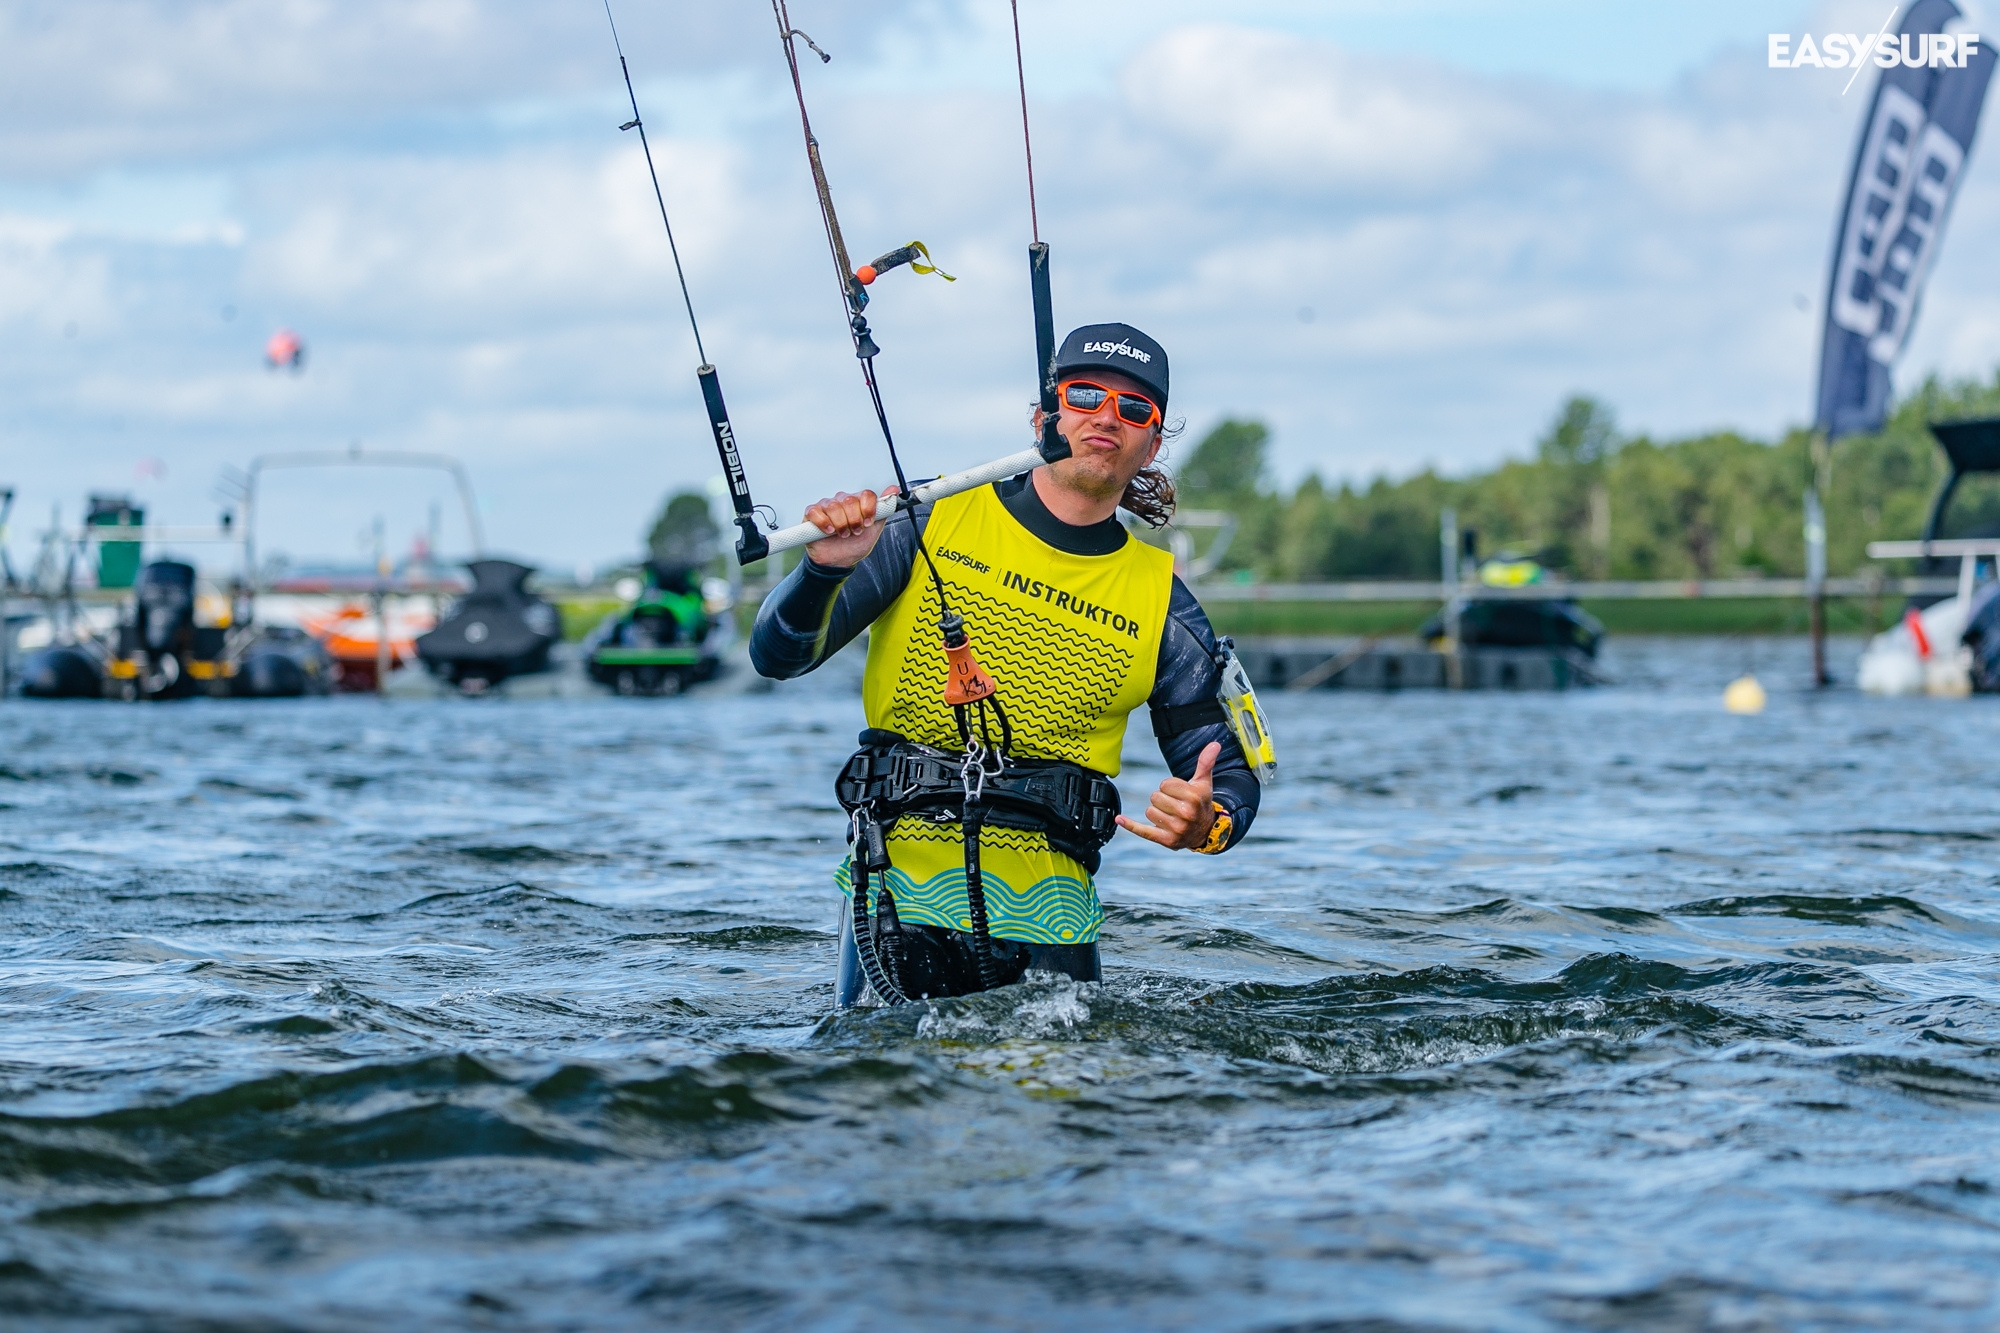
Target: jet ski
(1555,621)
(497,630)
(664,641)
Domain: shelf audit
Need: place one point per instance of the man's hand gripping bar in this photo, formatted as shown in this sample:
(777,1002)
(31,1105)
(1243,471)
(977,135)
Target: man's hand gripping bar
(803,534)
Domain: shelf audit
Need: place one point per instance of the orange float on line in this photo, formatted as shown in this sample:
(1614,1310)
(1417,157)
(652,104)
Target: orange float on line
(969,682)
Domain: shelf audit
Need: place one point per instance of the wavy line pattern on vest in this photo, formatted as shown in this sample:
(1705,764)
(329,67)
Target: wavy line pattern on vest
(1056,910)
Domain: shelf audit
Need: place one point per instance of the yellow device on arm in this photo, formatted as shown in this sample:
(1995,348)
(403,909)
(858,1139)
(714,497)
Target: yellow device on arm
(1246,719)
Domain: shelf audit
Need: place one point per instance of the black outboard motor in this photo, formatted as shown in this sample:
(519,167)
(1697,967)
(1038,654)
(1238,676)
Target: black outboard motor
(158,633)
(497,630)
(1973,448)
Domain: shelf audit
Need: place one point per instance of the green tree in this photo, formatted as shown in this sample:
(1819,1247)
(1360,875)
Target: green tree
(1228,465)
(1579,443)
(1227,470)
(685,532)
(1585,432)
(1596,503)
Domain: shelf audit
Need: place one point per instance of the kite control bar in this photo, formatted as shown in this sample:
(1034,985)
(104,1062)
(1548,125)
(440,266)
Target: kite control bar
(800,534)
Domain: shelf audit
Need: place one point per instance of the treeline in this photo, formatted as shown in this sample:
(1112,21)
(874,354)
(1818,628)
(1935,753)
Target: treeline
(1598,504)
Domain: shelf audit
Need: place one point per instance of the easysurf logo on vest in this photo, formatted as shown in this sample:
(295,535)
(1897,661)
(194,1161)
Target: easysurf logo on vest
(1118,349)
(960,557)
(1885,50)
(1062,600)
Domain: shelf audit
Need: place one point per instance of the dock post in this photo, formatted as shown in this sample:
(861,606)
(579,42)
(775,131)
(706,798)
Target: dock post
(1448,580)
(1448,550)
(1816,583)
(381,644)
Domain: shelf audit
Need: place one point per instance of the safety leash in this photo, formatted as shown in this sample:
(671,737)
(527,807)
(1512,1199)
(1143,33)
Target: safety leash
(854,283)
(881,934)
(970,691)
(753,544)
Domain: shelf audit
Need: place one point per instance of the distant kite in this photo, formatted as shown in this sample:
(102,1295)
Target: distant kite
(285,351)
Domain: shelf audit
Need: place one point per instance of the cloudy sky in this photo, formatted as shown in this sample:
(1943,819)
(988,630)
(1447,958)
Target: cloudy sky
(1400,231)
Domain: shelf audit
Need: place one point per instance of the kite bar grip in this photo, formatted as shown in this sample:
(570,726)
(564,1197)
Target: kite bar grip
(802,534)
(749,541)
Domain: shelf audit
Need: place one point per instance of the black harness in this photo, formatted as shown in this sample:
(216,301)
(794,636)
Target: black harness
(891,778)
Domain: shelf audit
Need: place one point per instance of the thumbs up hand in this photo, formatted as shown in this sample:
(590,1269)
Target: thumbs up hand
(1183,810)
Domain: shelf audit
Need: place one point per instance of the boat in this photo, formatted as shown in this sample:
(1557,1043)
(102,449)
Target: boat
(170,640)
(161,649)
(272,635)
(368,623)
(1945,645)
(368,619)
(496,631)
(1512,605)
(60,671)
(667,638)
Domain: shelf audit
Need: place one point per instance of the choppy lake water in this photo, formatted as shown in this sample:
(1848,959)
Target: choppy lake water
(1605,1010)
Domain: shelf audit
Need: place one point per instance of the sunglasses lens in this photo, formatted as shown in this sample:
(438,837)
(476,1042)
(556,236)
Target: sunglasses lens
(1135,410)
(1084,397)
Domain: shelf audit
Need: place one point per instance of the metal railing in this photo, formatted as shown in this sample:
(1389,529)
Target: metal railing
(1386,590)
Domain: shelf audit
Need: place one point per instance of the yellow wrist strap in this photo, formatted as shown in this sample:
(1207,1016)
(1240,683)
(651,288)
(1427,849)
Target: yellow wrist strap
(1218,832)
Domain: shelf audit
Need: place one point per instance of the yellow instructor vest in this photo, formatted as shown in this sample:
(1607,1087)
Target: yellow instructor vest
(1072,642)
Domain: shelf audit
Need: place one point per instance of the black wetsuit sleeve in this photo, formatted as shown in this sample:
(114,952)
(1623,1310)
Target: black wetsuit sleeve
(815,611)
(1187,675)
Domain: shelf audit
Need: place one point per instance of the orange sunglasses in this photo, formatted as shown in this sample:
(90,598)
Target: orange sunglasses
(1134,409)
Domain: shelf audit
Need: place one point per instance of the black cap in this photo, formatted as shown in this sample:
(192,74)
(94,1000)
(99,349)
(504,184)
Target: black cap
(1118,347)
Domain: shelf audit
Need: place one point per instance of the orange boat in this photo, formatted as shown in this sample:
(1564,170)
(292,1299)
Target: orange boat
(347,613)
(352,636)
(368,619)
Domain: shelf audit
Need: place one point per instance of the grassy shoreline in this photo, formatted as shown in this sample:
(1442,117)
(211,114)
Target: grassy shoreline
(1710,615)
(1717,615)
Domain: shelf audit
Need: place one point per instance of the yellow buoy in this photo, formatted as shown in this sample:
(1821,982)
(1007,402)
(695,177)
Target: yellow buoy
(1744,695)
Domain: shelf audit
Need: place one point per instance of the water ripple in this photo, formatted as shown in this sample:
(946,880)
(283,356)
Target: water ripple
(1592,1011)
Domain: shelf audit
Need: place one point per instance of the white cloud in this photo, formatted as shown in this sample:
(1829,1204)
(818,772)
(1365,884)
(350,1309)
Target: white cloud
(90,83)
(1306,117)
(480,279)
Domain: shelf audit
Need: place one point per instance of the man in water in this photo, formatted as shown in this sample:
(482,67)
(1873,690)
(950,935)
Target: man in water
(1076,622)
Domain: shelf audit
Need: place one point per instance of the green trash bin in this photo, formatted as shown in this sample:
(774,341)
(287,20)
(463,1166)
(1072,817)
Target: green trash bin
(117,562)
